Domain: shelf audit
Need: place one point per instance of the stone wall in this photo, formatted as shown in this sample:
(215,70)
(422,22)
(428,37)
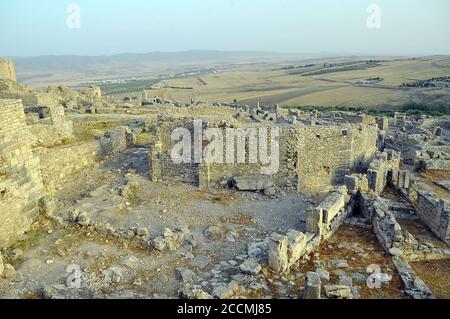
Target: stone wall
(311,159)
(384,170)
(322,222)
(21,187)
(116,141)
(161,165)
(326,218)
(435,165)
(7,70)
(434,213)
(60,165)
(326,155)
(49,125)
(30,98)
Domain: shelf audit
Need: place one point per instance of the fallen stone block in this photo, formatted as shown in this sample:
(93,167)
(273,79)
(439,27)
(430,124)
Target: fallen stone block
(296,246)
(252,183)
(314,219)
(189,291)
(113,275)
(338,291)
(226,291)
(312,286)
(187,275)
(250,266)
(332,206)
(278,253)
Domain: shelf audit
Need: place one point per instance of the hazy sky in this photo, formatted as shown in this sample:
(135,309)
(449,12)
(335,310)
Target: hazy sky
(413,27)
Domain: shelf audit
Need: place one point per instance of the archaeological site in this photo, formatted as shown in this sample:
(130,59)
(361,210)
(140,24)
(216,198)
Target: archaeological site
(224,158)
(94,205)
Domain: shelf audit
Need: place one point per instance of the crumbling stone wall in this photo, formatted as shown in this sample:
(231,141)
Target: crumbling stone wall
(161,166)
(7,70)
(384,170)
(322,222)
(311,159)
(357,118)
(116,141)
(225,171)
(21,187)
(92,92)
(435,165)
(434,212)
(60,165)
(327,154)
(49,125)
(13,90)
(326,218)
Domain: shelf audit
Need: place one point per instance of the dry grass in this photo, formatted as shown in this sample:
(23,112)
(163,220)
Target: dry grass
(436,274)
(430,177)
(86,131)
(366,240)
(277,86)
(144,139)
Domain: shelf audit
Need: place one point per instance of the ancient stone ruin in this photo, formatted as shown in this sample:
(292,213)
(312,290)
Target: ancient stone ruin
(356,206)
(7,70)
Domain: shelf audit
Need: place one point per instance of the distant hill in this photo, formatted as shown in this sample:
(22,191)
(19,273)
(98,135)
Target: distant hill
(72,69)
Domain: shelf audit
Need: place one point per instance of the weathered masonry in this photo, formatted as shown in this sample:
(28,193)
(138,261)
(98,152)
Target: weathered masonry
(48,124)
(7,70)
(435,213)
(30,172)
(311,158)
(21,187)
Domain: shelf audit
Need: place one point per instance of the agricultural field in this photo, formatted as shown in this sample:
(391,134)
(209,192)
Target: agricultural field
(321,84)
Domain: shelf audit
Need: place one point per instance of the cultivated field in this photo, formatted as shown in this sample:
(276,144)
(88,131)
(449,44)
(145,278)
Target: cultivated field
(336,87)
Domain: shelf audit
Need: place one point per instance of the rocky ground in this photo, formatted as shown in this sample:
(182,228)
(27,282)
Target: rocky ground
(116,234)
(202,244)
(199,239)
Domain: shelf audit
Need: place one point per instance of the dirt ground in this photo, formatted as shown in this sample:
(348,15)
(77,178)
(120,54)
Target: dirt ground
(436,274)
(42,256)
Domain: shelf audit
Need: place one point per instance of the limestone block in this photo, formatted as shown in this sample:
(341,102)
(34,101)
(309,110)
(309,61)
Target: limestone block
(338,291)
(296,246)
(312,286)
(252,183)
(314,221)
(351,182)
(331,206)
(278,252)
